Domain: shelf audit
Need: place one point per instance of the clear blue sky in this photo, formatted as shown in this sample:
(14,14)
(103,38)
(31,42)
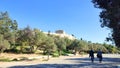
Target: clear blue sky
(78,17)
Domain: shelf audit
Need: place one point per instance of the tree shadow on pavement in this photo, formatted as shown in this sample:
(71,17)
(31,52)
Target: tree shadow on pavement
(106,63)
(62,66)
(78,63)
(105,59)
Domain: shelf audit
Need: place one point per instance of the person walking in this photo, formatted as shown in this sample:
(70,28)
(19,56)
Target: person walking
(99,55)
(91,55)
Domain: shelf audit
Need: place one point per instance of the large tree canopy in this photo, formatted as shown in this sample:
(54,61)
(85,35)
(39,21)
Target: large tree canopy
(33,40)
(110,17)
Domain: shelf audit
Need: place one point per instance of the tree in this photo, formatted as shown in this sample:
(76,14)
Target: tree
(4,44)
(61,44)
(68,41)
(83,45)
(75,46)
(110,17)
(8,28)
(49,46)
(7,25)
(39,39)
(13,34)
(26,38)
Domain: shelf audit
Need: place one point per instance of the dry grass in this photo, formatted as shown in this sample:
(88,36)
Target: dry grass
(12,56)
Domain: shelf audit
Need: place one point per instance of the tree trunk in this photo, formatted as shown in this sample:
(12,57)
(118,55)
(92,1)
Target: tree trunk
(32,49)
(48,55)
(21,49)
(36,49)
(59,52)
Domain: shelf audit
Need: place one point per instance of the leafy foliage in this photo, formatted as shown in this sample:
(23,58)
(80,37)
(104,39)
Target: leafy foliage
(28,40)
(61,44)
(110,17)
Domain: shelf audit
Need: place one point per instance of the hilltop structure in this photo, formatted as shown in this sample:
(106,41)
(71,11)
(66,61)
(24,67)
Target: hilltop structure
(62,33)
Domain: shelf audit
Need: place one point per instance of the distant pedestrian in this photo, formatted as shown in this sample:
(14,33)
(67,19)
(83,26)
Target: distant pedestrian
(91,55)
(99,55)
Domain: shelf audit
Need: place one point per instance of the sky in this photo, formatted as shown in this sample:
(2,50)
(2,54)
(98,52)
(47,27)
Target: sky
(77,17)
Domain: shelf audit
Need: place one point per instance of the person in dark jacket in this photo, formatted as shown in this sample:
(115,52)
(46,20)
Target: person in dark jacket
(91,55)
(99,55)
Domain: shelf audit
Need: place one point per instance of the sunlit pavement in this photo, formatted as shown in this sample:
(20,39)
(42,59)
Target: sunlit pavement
(109,61)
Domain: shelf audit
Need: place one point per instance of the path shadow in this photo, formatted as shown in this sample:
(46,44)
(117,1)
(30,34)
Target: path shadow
(63,66)
(105,59)
(78,63)
(107,62)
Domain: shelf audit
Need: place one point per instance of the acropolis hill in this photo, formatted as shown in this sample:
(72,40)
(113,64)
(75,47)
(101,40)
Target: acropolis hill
(61,33)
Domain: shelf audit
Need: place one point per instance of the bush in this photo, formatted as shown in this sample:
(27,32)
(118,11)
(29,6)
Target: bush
(13,51)
(5,60)
(23,58)
(15,59)
(65,53)
(4,45)
(55,54)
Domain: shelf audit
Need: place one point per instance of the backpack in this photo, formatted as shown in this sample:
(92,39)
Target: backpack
(99,54)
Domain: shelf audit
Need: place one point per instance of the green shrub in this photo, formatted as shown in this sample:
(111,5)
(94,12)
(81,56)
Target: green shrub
(55,54)
(15,59)
(23,58)
(5,60)
(65,53)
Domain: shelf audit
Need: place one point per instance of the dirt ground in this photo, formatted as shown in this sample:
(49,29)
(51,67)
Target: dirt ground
(109,61)
(10,55)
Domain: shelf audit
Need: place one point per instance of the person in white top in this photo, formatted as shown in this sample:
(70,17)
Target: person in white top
(99,55)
